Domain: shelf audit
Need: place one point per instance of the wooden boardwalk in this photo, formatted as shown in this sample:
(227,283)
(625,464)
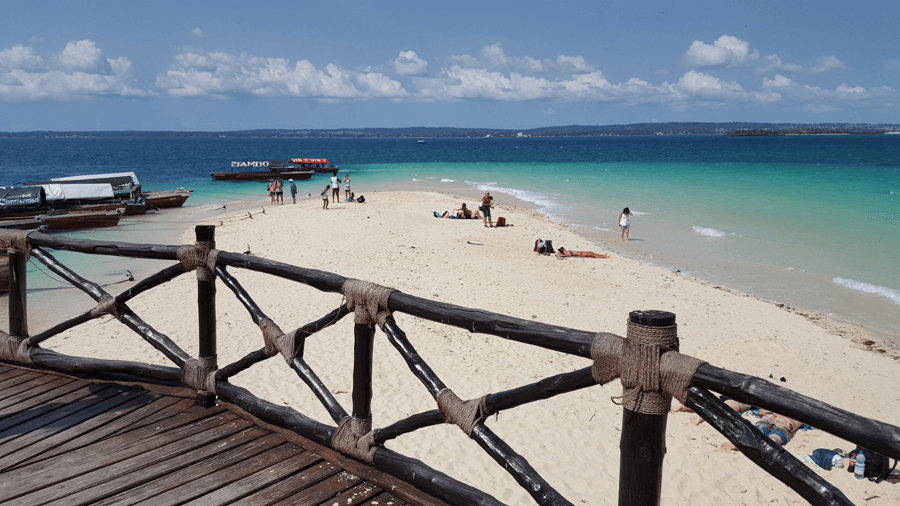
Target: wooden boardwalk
(70,441)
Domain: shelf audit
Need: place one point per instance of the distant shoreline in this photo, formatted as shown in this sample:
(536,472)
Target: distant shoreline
(420,133)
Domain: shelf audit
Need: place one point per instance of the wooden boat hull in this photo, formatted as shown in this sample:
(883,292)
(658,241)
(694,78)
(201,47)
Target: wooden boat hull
(167,198)
(67,221)
(299,175)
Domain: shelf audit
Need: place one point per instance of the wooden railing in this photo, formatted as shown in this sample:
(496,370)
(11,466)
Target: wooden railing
(647,362)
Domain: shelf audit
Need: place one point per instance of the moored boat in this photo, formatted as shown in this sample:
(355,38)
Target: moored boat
(268,169)
(71,220)
(167,198)
(315,164)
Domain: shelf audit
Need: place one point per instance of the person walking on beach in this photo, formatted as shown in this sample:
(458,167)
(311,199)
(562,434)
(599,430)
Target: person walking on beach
(485,208)
(279,191)
(325,197)
(625,223)
(272,192)
(347,187)
(293,190)
(335,187)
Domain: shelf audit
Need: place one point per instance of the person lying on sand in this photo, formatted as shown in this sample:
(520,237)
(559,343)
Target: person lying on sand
(563,252)
(779,428)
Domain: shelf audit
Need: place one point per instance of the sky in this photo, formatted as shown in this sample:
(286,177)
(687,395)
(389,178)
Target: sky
(238,65)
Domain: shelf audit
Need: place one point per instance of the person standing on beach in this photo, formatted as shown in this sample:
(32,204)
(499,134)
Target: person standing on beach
(279,191)
(272,192)
(325,197)
(347,187)
(335,187)
(293,190)
(485,208)
(625,223)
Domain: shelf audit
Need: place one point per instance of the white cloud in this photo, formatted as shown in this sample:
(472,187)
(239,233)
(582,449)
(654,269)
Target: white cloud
(549,112)
(779,82)
(199,34)
(79,70)
(408,63)
(84,56)
(727,50)
(220,75)
(827,64)
(773,62)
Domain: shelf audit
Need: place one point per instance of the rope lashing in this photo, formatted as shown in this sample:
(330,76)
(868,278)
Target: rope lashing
(199,256)
(366,299)
(606,351)
(675,373)
(15,241)
(14,349)
(200,374)
(463,414)
(106,305)
(354,437)
(277,341)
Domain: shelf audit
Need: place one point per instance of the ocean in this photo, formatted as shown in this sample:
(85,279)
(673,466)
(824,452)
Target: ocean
(809,221)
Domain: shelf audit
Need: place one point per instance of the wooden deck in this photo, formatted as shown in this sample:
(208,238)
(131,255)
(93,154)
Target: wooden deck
(70,441)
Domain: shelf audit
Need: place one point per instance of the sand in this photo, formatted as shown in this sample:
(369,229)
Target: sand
(572,440)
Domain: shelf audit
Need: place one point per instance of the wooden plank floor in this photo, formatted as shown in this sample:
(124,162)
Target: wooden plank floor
(70,441)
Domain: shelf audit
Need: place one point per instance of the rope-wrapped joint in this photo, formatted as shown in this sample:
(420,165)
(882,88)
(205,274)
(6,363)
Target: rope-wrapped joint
(279,342)
(606,351)
(15,241)
(199,256)
(354,437)
(106,305)
(200,374)
(14,349)
(463,414)
(367,300)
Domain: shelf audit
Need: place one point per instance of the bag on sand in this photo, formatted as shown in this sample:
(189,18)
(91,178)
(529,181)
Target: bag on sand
(877,466)
(501,221)
(360,199)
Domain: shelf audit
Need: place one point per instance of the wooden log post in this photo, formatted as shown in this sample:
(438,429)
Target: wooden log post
(643,443)
(18,287)
(363,350)
(206,310)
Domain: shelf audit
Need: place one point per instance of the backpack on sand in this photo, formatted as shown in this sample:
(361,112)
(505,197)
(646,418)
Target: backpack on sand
(360,199)
(501,221)
(877,466)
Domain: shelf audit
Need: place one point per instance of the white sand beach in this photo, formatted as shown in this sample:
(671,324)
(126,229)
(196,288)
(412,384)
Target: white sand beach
(572,440)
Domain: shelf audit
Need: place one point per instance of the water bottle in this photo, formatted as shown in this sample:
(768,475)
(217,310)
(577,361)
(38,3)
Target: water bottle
(860,470)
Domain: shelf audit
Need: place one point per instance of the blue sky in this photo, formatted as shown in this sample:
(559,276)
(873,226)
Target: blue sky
(228,65)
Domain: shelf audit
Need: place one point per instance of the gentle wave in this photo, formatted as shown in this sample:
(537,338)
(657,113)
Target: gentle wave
(711,232)
(894,295)
(445,180)
(542,199)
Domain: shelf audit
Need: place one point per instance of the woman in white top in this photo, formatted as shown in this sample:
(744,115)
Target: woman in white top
(624,223)
(335,187)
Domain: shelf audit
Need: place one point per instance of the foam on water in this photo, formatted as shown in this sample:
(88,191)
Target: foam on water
(711,232)
(894,295)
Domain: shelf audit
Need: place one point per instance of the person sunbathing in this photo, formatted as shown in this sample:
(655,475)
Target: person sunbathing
(778,428)
(563,252)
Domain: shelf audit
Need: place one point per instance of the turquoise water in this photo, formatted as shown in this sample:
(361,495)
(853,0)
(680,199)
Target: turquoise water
(811,221)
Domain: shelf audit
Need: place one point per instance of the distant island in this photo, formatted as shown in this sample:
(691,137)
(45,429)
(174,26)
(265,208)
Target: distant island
(674,128)
(808,131)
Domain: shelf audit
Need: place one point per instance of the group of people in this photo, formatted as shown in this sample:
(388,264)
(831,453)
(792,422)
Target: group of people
(276,191)
(464,213)
(335,188)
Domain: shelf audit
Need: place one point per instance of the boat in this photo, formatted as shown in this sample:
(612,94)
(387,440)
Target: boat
(66,220)
(320,165)
(421,142)
(28,201)
(125,185)
(268,169)
(167,198)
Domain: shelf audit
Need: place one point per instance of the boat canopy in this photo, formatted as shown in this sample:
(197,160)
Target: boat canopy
(307,160)
(120,181)
(87,191)
(18,196)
